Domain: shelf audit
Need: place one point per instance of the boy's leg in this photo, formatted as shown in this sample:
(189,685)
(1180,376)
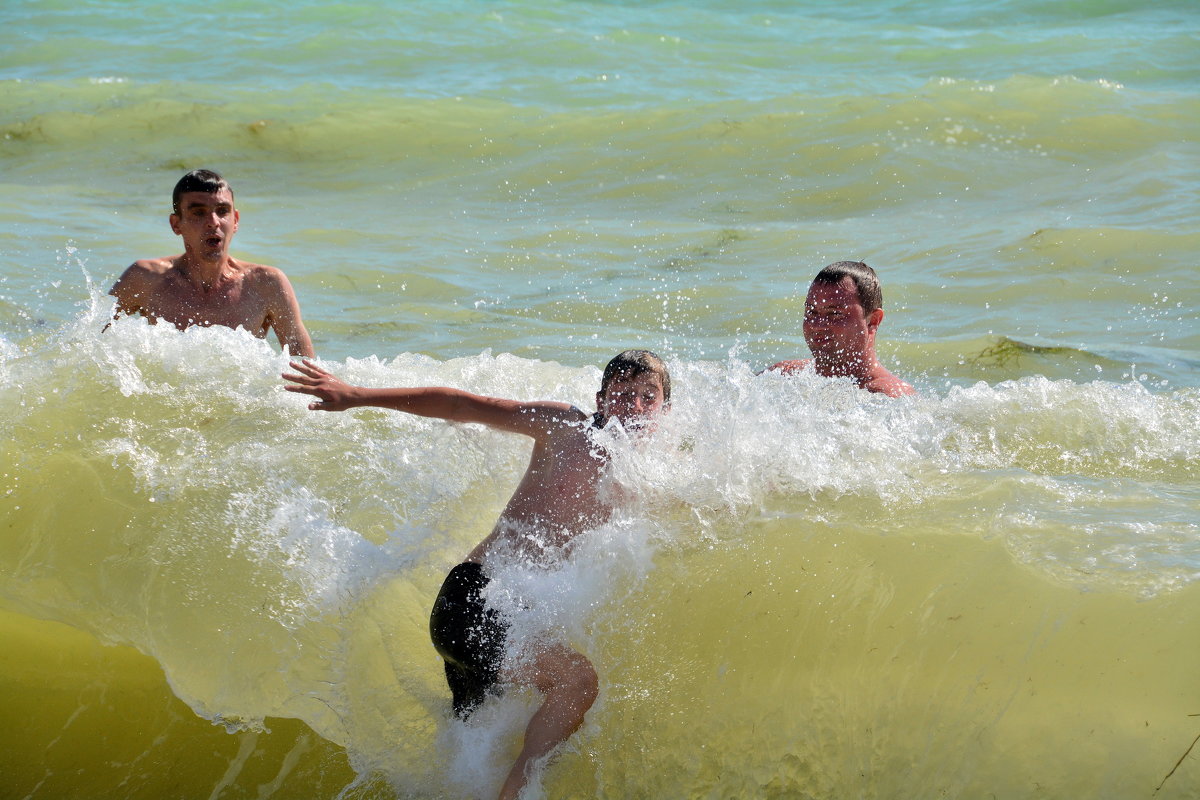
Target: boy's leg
(568,684)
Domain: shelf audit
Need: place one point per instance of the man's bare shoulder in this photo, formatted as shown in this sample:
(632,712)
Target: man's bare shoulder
(144,275)
(262,278)
(888,384)
(146,268)
(263,272)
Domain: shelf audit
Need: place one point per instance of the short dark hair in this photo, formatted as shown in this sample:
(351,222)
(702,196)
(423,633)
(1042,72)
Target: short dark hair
(633,363)
(866,282)
(198,180)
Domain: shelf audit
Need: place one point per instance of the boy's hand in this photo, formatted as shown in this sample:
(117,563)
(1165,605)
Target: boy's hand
(332,393)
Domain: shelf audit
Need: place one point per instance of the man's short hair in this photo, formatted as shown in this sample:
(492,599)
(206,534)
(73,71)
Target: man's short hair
(198,180)
(633,363)
(866,282)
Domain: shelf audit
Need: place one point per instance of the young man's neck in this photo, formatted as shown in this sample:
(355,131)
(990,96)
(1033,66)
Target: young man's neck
(202,272)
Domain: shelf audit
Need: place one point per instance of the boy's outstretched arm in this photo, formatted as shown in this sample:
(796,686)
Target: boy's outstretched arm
(334,394)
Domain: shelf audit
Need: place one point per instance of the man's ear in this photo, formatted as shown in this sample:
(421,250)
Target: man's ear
(874,318)
(174,220)
(237,216)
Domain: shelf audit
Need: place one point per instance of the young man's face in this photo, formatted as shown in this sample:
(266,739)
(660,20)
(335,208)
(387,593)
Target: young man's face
(206,222)
(634,401)
(836,328)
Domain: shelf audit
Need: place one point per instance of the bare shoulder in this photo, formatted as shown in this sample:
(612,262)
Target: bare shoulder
(553,416)
(262,277)
(263,273)
(149,268)
(791,366)
(890,385)
(541,419)
(564,425)
(143,274)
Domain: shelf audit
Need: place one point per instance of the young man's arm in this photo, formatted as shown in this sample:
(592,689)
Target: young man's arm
(333,394)
(283,315)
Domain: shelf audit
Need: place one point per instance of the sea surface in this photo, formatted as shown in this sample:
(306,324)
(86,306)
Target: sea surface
(990,589)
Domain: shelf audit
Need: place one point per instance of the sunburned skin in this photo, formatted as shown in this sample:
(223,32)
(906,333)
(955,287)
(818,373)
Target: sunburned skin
(205,286)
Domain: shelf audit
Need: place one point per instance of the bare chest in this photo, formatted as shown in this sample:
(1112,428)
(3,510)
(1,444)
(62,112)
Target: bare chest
(231,305)
(562,488)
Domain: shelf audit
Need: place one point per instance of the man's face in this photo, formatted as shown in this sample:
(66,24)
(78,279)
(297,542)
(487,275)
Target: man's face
(835,327)
(633,401)
(206,222)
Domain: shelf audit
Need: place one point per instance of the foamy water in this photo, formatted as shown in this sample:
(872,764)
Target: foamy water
(166,493)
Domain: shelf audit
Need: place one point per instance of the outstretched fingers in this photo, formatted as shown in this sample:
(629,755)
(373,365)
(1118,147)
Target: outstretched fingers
(332,394)
(309,375)
(318,405)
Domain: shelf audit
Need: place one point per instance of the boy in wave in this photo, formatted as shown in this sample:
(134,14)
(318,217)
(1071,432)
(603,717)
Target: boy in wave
(842,313)
(558,498)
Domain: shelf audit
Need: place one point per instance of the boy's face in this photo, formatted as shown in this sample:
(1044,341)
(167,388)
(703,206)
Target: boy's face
(633,401)
(836,328)
(206,222)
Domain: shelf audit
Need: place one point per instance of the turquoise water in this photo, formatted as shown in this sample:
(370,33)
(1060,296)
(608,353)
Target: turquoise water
(989,589)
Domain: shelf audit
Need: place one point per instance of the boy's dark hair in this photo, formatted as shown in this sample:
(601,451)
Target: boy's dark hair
(632,363)
(866,282)
(198,180)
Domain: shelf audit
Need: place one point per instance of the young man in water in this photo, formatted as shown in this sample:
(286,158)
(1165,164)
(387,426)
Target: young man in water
(559,497)
(205,285)
(842,313)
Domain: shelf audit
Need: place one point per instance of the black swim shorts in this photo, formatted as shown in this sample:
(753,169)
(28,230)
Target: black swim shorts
(468,636)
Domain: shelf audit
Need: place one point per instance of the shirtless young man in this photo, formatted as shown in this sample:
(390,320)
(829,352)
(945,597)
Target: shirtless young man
(558,498)
(205,285)
(841,316)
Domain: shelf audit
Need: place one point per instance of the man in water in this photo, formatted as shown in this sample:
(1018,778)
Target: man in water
(558,498)
(205,285)
(842,313)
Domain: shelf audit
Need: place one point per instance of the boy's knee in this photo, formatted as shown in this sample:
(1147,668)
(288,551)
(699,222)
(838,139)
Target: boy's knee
(581,679)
